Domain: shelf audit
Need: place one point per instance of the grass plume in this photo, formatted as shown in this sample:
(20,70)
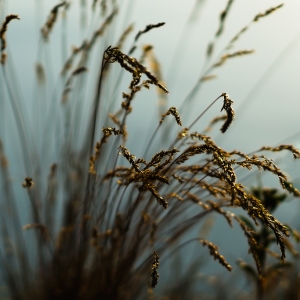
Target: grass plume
(102,222)
(3,30)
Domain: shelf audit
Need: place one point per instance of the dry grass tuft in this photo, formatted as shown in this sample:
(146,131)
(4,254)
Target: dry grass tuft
(100,211)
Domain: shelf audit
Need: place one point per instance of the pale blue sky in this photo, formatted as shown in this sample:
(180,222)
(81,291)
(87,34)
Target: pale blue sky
(272,113)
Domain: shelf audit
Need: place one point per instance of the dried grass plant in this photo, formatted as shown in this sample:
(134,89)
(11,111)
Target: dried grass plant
(103,222)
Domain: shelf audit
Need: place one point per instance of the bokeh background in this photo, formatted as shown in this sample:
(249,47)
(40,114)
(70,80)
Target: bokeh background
(263,85)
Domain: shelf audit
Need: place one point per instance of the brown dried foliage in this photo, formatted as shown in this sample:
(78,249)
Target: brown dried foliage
(48,26)
(154,273)
(2,35)
(174,112)
(213,249)
(118,208)
(148,28)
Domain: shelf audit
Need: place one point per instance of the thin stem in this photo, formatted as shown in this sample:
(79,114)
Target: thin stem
(194,122)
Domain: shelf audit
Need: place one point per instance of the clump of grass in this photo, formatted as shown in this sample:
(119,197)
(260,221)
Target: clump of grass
(104,221)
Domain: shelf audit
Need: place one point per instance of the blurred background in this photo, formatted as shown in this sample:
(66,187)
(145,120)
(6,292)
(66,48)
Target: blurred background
(264,85)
